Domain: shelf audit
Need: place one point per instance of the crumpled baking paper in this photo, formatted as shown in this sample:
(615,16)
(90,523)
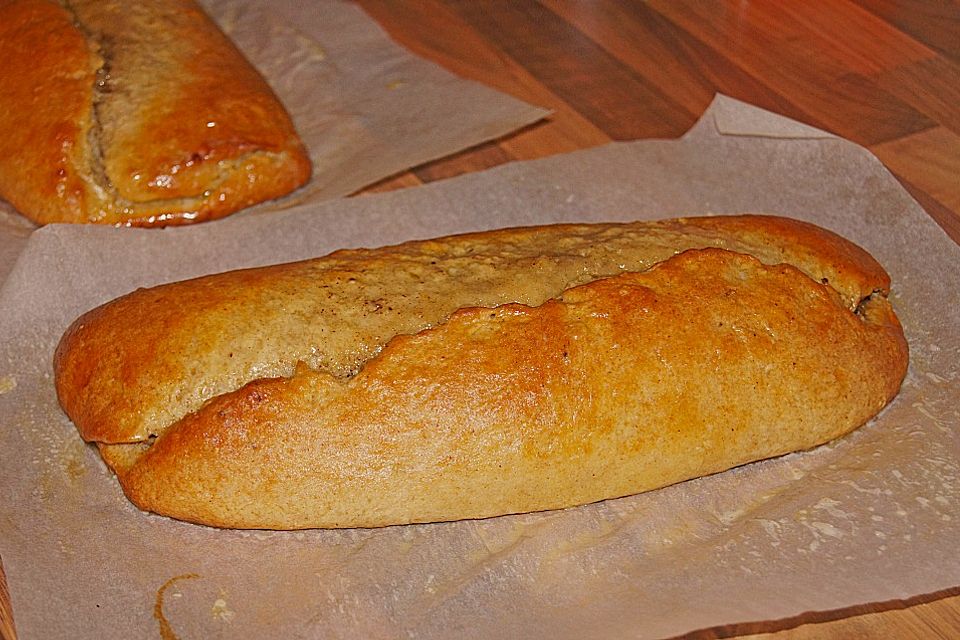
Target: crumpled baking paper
(874,516)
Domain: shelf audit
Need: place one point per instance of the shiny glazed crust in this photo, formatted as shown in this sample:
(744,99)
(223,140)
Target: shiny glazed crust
(140,114)
(483,374)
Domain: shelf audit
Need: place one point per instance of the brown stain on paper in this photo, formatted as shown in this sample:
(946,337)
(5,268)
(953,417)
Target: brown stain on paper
(166,631)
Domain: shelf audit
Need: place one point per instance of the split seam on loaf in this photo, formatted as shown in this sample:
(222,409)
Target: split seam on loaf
(703,344)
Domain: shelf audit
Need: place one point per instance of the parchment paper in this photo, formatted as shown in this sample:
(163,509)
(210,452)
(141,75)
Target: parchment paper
(365,107)
(872,517)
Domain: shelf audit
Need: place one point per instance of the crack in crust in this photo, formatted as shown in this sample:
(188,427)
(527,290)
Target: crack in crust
(254,375)
(336,312)
(96,174)
(340,315)
(710,359)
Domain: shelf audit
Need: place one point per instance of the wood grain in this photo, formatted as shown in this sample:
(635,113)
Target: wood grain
(931,616)
(882,73)
(874,71)
(7,628)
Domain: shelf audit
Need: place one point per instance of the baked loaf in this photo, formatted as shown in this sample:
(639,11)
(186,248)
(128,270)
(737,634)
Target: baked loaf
(140,113)
(482,374)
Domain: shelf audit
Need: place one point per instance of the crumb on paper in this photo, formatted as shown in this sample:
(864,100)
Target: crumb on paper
(729,517)
(7,384)
(395,84)
(221,611)
(773,529)
(827,529)
(299,43)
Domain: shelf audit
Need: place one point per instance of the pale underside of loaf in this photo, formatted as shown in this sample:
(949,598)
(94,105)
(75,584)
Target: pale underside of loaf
(136,113)
(483,374)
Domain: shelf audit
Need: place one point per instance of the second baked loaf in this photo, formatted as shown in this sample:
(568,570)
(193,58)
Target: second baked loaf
(138,113)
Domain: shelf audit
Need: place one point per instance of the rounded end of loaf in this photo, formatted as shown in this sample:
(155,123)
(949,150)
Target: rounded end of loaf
(838,262)
(250,180)
(77,363)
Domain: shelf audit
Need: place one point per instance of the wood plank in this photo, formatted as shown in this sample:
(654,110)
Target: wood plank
(930,160)
(7,628)
(482,157)
(850,105)
(903,625)
(849,37)
(403,180)
(679,65)
(944,620)
(432,29)
(929,86)
(622,104)
(936,24)
(928,617)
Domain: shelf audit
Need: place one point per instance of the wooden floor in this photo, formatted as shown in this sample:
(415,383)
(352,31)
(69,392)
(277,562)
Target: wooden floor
(882,73)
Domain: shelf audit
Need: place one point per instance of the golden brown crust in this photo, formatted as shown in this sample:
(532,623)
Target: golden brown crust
(335,312)
(47,75)
(136,114)
(843,265)
(576,373)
